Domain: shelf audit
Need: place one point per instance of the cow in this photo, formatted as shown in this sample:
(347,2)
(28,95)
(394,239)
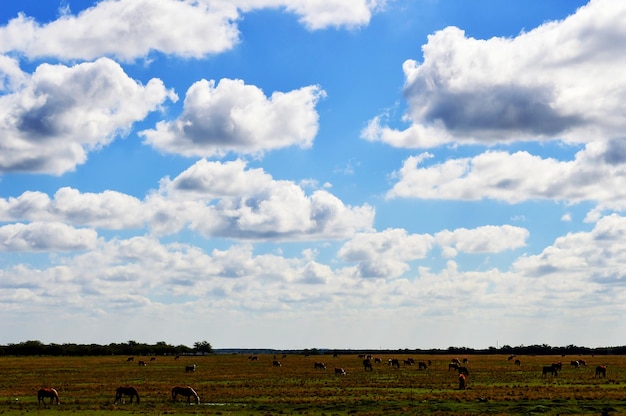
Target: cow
(319,365)
(601,371)
(453,366)
(152,358)
(408,362)
(142,363)
(394,362)
(463,370)
(549,369)
(378,360)
(340,372)
(130,359)
(47,392)
(190,368)
(575,363)
(422,365)
(276,363)
(367,364)
(518,362)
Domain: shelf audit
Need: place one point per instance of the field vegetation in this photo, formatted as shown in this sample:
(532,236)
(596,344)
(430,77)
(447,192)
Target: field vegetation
(235,384)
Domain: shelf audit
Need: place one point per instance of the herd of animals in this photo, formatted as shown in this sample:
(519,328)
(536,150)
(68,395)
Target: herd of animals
(368,361)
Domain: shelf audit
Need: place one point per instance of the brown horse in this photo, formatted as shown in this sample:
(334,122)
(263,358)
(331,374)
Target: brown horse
(188,392)
(126,391)
(601,371)
(47,392)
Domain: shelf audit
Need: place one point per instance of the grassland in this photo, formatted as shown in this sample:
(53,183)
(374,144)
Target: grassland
(236,385)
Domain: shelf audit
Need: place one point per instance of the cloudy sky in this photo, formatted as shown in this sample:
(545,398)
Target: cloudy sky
(313,173)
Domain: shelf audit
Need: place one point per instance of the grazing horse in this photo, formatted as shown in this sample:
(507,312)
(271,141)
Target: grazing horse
(422,365)
(340,372)
(190,368)
(47,392)
(188,392)
(462,378)
(367,364)
(319,365)
(453,366)
(549,369)
(126,391)
(601,371)
(152,358)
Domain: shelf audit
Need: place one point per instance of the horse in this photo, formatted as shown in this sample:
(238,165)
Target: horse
(453,366)
(188,392)
(422,365)
(549,369)
(152,358)
(126,391)
(462,378)
(367,364)
(340,372)
(47,392)
(601,371)
(190,368)
(319,365)
(518,362)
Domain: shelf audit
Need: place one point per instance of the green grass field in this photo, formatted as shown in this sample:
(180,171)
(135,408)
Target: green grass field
(236,385)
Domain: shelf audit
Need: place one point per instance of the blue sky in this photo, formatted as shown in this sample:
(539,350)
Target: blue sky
(322,173)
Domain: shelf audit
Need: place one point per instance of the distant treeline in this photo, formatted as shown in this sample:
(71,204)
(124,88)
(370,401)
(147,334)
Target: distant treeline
(129,348)
(132,348)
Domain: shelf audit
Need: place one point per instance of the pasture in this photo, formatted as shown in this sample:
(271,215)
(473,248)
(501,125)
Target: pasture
(237,385)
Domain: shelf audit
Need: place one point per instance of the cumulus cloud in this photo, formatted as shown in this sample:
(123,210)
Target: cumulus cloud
(49,237)
(597,173)
(131,29)
(320,14)
(126,30)
(232,201)
(386,254)
(234,117)
(213,198)
(560,80)
(61,113)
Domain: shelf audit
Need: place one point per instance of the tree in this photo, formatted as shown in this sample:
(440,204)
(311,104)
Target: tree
(203,347)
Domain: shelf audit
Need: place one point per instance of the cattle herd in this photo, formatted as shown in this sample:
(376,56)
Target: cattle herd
(459,366)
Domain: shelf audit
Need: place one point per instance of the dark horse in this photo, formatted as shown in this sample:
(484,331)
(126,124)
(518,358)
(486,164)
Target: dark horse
(126,391)
(549,369)
(601,371)
(47,392)
(185,391)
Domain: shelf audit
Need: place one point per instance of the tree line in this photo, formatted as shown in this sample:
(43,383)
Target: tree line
(128,348)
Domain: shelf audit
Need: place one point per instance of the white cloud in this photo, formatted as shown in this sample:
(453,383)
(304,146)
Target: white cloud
(126,30)
(597,173)
(320,14)
(61,113)
(234,117)
(485,239)
(560,80)
(49,237)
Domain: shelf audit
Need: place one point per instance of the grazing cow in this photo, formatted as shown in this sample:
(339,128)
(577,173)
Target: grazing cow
(152,358)
(518,362)
(453,366)
(549,369)
(367,364)
(574,363)
(463,370)
(142,363)
(601,371)
(276,363)
(253,358)
(126,391)
(340,372)
(319,365)
(47,392)
(582,362)
(558,366)
(377,360)
(187,392)
(511,357)
(190,368)
(456,360)
(177,357)
(394,362)
(462,378)
(422,365)
(408,362)
(465,361)
(130,359)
